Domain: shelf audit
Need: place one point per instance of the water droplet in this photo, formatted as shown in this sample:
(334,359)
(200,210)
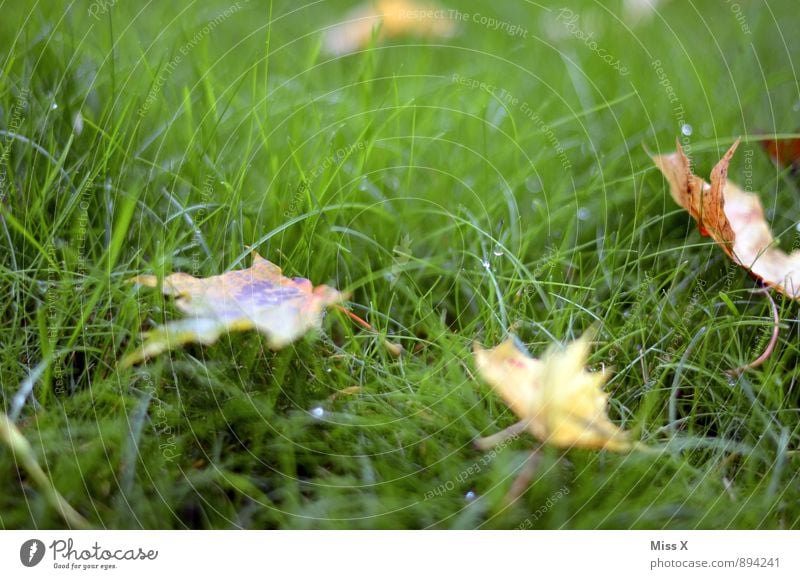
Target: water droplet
(486,264)
(584,214)
(533,184)
(686,129)
(470,496)
(393,182)
(797,227)
(328,370)
(77,123)
(54,106)
(318,412)
(497,251)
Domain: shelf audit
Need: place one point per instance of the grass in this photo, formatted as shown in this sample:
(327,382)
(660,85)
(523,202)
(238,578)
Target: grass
(451,213)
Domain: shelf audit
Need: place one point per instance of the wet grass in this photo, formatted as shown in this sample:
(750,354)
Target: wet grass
(142,139)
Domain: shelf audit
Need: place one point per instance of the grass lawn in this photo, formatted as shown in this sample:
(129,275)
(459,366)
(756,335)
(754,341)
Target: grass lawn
(460,189)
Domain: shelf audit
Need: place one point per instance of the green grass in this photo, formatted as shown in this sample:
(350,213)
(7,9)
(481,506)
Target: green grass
(451,214)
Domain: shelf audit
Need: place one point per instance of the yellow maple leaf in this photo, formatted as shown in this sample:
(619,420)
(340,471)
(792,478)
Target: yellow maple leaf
(259,297)
(391,18)
(559,402)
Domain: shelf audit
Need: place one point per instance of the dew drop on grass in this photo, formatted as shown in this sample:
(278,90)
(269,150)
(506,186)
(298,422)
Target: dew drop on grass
(584,214)
(77,123)
(54,106)
(393,182)
(497,252)
(470,496)
(533,184)
(797,227)
(686,129)
(486,264)
(318,412)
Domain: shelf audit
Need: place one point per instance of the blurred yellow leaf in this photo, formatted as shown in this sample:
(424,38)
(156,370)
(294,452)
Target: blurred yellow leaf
(391,18)
(259,297)
(559,402)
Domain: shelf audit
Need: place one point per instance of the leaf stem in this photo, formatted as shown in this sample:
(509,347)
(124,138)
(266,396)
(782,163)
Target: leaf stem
(393,347)
(776,329)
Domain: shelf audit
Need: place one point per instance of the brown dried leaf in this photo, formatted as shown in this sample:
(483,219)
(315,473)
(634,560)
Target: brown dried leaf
(733,218)
(783,152)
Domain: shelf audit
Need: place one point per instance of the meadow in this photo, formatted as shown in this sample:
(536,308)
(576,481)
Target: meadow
(459,189)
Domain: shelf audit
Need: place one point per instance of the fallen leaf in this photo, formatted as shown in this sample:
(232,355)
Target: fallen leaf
(391,19)
(558,401)
(783,152)
(733,218)
(259,297)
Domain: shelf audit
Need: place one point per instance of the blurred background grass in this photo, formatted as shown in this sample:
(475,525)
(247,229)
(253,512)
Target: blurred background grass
(146,137)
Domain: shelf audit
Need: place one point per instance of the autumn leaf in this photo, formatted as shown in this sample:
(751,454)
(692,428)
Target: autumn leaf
(259,297)
(558,401)
(391,18)
(783,152)
(733,218)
